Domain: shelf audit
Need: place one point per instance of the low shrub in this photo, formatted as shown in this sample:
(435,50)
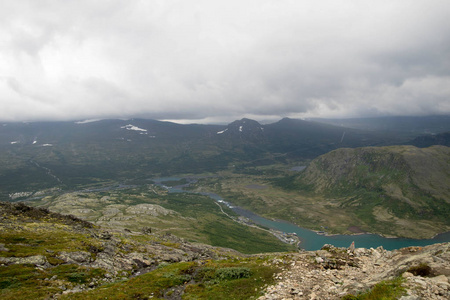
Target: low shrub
(232,273)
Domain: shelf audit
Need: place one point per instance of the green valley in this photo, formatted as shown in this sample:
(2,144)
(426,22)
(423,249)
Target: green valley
(394,191)
(196,218)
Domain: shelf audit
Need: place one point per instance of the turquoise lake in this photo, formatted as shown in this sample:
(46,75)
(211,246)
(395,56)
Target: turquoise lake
(310,240)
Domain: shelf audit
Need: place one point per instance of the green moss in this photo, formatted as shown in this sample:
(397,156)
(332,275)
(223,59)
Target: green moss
(76,274)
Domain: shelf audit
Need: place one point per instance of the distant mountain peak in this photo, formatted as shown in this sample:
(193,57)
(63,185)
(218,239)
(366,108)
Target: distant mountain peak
(246,129)
(248,123)
(242,126)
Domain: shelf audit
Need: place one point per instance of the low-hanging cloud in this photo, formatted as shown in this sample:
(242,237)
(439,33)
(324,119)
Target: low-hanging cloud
(218,60)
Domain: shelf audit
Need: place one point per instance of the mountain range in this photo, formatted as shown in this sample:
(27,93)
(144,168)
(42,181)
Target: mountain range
(42,155)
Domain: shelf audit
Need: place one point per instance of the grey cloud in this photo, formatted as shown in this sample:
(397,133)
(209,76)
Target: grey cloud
(210,60)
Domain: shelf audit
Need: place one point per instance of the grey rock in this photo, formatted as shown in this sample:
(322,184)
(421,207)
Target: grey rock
(3,248)
(352,247)
(77,257)
(439,279)
(409,298)
(407,274)
(319,260)
(105,235)
(37,260)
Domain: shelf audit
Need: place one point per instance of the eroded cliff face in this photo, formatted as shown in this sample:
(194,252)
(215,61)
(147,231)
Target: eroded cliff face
(332,273)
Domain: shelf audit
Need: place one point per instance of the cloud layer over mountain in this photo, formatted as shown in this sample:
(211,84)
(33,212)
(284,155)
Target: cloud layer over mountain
(220,60)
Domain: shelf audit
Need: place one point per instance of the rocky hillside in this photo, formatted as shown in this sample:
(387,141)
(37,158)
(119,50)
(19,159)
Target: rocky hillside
(45,255)
(395,168)
(396,185)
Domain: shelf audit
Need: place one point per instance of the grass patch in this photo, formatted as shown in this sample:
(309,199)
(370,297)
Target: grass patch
(40,239)
(385,290)
(76,274)
(232,273)
(27,282)
(231,279)
(174,182)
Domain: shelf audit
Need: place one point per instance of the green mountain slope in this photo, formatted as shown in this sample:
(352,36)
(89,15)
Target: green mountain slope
(383,186)
(404,168)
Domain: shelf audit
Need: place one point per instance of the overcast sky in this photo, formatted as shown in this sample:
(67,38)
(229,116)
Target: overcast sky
(217,61)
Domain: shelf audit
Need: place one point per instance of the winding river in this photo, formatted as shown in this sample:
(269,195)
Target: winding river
(311,240)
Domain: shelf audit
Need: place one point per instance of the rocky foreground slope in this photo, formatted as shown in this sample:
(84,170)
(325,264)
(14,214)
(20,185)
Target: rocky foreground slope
(332,273)
(45,255)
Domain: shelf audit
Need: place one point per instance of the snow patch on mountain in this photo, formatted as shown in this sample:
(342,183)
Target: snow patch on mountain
(240,128)
(132,127)
(15,142)
(220,132)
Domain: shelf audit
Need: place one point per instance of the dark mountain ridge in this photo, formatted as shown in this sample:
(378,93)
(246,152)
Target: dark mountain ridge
(428,140)
(407,125)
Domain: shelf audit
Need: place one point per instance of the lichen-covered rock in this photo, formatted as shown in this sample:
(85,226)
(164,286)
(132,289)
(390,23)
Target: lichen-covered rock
(37,260)
(76,257)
